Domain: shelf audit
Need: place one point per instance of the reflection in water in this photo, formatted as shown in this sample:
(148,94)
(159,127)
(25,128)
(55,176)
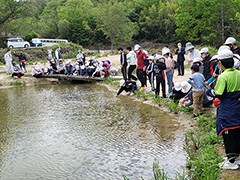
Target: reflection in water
(82,132)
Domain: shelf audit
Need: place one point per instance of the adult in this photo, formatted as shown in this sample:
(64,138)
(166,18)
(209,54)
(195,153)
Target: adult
(8,60)
(141,68)
(180,59)
(207,65)
(22,60)
(132,60)
(58,55)
(123,61)
(169,71)
(193,53)
(227,90)
(231,42)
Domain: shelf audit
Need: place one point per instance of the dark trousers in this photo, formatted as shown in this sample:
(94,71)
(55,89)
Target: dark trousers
(180,67)
(231,139)
(151,80)
(17,74)
(124,72)
(140,75)
(160,80)
(130,70)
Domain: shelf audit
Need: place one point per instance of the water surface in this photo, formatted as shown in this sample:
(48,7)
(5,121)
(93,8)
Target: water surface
(83,132)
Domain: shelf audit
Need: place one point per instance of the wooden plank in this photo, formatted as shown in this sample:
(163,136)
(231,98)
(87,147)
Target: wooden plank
(69,78)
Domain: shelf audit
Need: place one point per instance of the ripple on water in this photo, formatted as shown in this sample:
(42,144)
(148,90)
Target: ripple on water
(79,132)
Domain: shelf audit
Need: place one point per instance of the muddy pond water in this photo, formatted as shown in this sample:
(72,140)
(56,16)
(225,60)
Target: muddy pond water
(83,132)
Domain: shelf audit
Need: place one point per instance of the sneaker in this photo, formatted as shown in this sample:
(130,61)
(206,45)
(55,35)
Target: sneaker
(228,165)
(150,91)
(194,116)
(169,94)
(142,88)
(128,93)
(237,161)
(131,94)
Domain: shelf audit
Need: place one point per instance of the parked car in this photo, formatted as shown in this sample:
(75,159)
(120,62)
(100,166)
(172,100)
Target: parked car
(35,42)
(17,42)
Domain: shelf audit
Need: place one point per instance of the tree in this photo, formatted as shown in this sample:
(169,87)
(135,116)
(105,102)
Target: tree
(207,20)
(10,9)
(114,22)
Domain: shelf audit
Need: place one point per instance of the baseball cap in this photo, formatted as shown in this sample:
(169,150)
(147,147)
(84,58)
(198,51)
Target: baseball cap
(230,40)
(225,54)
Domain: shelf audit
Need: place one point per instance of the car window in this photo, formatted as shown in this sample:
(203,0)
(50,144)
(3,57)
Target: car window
(20,40)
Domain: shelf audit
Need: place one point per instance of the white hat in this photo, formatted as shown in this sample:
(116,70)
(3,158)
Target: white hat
(177,86)
(225,54)
(204,50)
(145,52)
(185,86)
(197,59)
(150,58)
(189,46)
(122,82)
(215,57)
(230,40)
(79,51)
(165,51)
(223,47)
(67,62)
(37,67)
(136,47)
(159,57)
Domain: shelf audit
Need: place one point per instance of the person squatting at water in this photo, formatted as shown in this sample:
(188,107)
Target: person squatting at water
(16,71)
(159,68)
(128,86)
(180,90)
(123,62)
(36,71)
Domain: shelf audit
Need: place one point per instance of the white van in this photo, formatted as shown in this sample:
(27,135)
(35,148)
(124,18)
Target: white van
(17,42)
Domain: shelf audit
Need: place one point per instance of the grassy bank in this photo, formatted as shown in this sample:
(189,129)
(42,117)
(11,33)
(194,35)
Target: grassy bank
(200,141)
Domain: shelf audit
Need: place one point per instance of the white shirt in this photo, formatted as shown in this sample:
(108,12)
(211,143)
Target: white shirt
(132,58)
(195,53)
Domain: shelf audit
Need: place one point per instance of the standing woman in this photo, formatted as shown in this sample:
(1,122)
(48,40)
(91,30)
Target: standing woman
(169,71)
(8,60)
(132,60)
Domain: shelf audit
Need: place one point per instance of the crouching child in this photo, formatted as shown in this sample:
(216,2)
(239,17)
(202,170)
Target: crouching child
(128,86)
(16,71)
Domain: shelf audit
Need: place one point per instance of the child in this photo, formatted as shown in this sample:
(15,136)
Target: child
(36,71)
(159,68)
(197,81)
(150,72)
(16,71)
(227,90)
(60,68)
(69,68)
(128,86)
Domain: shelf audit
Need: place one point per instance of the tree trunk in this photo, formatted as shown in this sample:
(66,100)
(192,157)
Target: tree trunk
(222,22)
(112,41)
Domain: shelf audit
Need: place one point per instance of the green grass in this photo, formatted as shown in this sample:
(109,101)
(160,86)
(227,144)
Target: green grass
(18,83)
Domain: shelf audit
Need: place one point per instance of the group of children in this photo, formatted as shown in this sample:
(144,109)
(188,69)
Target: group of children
(214,80)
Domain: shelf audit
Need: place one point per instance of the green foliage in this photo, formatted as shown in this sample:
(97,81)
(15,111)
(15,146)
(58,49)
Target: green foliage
(112,18)
(206,21)
(30,36)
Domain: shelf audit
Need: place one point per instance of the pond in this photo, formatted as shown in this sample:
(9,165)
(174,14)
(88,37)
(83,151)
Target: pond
(84,132)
